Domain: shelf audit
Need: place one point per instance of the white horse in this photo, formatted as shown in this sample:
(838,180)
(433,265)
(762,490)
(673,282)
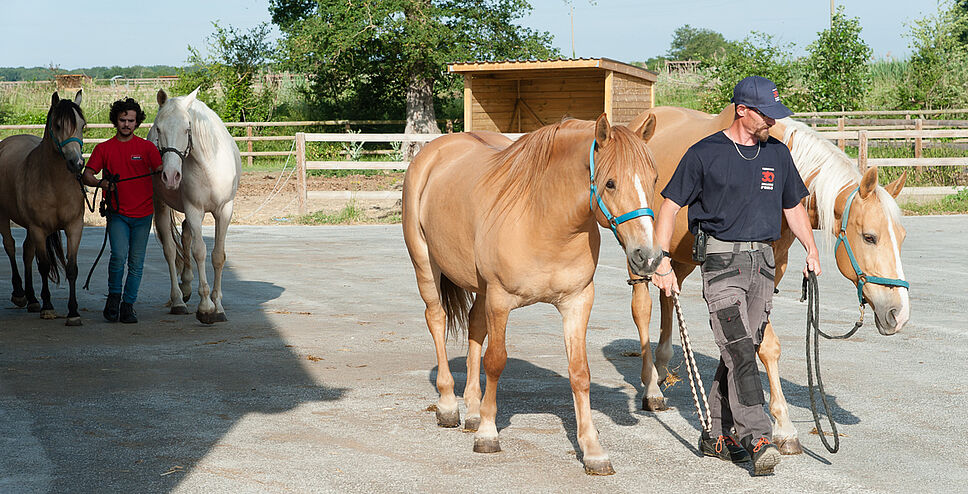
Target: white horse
(201,166)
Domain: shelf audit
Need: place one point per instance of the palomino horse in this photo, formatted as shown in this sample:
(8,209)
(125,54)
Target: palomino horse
(873,231)
(200,174)
(39,190)
(515,224)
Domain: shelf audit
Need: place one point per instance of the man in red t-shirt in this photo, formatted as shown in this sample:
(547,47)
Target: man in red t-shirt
(126,161)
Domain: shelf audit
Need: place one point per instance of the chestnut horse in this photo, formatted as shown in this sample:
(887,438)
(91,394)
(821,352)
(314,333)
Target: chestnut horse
(872,229)
(40,191)
(492,226)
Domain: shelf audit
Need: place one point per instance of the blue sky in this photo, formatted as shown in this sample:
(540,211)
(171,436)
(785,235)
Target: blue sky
(132,32)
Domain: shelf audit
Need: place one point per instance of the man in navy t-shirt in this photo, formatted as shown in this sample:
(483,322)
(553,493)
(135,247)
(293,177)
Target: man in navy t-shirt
(738,184)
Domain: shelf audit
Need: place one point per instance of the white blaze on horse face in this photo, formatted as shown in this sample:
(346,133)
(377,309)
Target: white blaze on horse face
(905,312)
(644,204)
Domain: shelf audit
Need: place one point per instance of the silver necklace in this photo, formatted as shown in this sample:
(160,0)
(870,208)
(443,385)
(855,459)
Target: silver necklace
(758,146)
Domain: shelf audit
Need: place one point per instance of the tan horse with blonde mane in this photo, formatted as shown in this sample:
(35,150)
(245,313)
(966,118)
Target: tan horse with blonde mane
(873,230)
(492,226)
(39,190)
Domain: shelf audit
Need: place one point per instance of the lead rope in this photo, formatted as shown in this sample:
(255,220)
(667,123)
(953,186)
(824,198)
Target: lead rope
(692,369)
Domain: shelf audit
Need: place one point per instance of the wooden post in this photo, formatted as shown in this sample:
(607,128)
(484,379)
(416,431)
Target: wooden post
(841,123)
(450,126)
(918,151)
(862,150)
(248,133)
(301,172)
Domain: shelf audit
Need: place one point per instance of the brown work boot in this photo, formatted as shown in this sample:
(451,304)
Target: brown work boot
(724,447)
(765,455)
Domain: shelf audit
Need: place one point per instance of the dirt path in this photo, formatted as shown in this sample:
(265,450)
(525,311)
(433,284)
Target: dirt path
(269,198)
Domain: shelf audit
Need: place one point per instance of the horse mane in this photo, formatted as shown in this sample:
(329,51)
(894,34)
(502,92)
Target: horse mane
(832,171)
(208,131)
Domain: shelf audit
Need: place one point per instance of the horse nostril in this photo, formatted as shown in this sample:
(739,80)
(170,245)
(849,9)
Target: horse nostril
(892,318)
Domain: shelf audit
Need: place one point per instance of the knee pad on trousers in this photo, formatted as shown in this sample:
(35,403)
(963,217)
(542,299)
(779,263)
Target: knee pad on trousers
(742,352)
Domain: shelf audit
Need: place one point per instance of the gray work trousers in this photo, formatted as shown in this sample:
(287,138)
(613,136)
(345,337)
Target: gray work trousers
(738,288)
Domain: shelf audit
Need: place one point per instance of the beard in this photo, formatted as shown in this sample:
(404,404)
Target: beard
(763,134)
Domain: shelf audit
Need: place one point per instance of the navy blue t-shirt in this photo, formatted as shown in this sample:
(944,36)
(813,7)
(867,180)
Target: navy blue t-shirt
(736,200)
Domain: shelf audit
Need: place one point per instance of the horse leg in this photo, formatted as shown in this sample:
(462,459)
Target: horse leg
(73,242)
(10,247)
(185,266)
(33,305)
(667,320)
(206,309)
(496,310)
(477,331)
(222,218)
(43,267)
(642,316)
(574,312)
(163,228)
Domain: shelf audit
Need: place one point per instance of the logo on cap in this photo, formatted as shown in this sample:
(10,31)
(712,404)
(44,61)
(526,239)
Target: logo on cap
(776,95)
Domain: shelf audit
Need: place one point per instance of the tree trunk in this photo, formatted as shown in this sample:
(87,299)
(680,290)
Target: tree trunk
(421,118)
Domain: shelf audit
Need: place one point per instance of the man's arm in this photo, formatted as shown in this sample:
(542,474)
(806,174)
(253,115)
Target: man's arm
(800,225)
(89,179)
(664,277)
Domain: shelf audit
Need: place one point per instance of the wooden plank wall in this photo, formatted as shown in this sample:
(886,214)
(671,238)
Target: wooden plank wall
(630,96)
(547,98)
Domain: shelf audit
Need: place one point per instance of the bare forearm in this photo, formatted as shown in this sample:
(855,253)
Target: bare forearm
(666,223)
(799,224)
(89,178)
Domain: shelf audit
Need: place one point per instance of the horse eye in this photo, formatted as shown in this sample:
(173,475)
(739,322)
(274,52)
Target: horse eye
(871,239)
(610,184)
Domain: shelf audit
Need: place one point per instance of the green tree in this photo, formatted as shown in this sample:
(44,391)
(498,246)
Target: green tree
(689,43)
(758,54)
(236,58)
(939,65)
(836,69)
(388,59)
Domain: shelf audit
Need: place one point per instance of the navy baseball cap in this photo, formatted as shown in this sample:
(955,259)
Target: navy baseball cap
(760,93)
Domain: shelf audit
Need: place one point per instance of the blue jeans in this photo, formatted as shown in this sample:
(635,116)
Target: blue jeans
(129,239)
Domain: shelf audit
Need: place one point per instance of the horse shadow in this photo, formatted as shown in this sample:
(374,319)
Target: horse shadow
(137,407)
(624,355)
(526,388)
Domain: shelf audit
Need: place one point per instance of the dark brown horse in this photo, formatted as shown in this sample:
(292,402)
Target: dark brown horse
(39,190)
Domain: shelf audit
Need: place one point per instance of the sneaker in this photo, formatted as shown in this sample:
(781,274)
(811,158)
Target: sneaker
(112,309)
(128,314)
(764,453)
(724,447)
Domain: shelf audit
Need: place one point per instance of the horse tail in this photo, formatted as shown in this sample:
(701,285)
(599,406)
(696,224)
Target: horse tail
(457,305)
(55,256)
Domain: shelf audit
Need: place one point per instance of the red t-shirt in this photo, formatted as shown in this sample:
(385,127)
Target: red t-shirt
(129,159)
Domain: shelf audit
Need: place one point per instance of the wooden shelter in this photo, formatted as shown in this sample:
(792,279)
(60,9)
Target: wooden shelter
(521,96)
(71,81)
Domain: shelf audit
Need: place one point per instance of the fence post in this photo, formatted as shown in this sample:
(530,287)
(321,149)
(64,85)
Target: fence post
(862,150)
(450,126)
(841,142)
(248,133)
(918,146)
(301,170)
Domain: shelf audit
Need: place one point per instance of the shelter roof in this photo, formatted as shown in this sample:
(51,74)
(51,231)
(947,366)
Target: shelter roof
(512,66)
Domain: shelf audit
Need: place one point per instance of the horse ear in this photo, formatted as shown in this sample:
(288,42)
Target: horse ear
(894,188)
(602,128)
(647,129)
(162,97)
(193,95)
(868,182)
(77,98)
(54,98)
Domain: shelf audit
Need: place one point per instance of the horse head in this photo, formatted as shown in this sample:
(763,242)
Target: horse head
(871,234)
(65,128)
(172,134)
(623,178)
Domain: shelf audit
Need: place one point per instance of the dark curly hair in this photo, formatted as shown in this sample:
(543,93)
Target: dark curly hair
(123,105)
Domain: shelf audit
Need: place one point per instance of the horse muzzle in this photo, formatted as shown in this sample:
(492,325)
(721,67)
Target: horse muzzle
(891,313)
(644,260)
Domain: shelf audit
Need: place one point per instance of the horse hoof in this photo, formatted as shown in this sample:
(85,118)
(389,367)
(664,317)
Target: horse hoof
(33,307)
(180,310)
(205,317)
(220,317)
(486,445)
(74,321)
(654,403)
(788,445)
(448,419)
(599,467)
(472,423)
(19,301)
(48,314)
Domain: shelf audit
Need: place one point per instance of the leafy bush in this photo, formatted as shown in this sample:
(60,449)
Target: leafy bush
(836,70)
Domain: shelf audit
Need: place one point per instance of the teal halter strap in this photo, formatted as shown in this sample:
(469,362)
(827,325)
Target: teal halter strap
(60,144)
(861,277)
(593,197)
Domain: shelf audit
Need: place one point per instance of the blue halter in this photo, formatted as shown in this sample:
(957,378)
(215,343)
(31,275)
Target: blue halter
(861,277)
(60,144)
(593,197)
